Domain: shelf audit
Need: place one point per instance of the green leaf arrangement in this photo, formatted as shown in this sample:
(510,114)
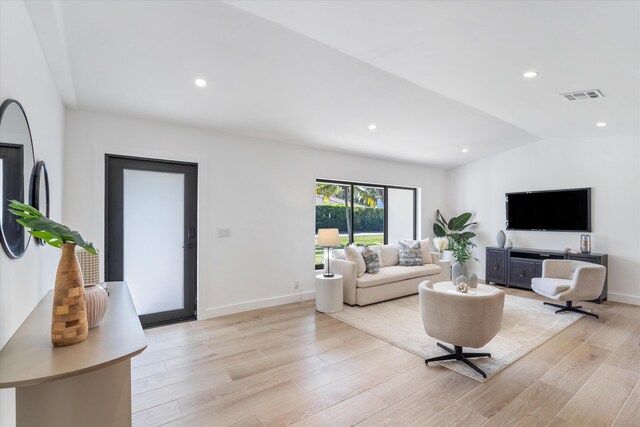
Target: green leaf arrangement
(454,230)
(46,229)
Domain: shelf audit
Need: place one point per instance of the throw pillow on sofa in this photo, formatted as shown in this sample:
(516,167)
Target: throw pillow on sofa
(424,246)
(353,254)
(410,255)
(389,255)
(371,259)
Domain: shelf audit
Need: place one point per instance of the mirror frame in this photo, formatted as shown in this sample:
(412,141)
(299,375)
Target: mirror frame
(40,173)
(27,188)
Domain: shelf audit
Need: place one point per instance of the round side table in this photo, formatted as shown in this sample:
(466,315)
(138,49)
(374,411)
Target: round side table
(329,297)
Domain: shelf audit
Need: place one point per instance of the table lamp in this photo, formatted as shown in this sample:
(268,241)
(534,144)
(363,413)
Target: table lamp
(327,238)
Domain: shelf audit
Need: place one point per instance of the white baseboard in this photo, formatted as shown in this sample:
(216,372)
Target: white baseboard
(627,299)
(254,305)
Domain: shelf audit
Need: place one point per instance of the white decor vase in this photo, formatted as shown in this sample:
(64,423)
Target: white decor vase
(97,300)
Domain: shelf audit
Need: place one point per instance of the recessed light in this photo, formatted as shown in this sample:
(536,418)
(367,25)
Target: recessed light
(465,150)
(530,74)
(372,126)
(201,82)
(601,124)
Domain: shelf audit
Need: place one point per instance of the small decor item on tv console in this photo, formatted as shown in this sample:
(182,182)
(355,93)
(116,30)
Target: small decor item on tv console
(585,243)
(501,239)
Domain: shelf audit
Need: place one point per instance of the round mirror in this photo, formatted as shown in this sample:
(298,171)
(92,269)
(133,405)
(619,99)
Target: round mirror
(40,191)
(16,165)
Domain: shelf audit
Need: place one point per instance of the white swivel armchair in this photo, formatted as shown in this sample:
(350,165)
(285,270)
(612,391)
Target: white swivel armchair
(566,280)
(462,320)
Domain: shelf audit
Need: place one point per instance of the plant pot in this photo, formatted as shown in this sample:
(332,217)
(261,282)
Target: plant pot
(69,313)
(97,300)
(447,255)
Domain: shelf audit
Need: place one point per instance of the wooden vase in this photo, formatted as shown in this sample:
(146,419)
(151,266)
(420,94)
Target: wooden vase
(69,314)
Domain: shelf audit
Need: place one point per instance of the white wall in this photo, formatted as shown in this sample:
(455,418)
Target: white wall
(610,165)
(263,191)
(24,76)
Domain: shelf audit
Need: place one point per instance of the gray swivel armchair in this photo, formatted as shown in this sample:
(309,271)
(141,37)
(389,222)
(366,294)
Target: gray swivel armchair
(566,280)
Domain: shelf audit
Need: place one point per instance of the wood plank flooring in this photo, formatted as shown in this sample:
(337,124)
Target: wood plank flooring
(292,365)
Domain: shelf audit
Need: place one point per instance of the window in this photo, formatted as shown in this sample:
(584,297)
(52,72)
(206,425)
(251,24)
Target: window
(364,214)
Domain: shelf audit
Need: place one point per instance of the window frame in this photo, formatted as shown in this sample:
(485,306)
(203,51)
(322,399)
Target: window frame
(385,188)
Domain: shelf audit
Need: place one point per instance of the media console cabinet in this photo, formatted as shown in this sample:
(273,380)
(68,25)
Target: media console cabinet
(517,266)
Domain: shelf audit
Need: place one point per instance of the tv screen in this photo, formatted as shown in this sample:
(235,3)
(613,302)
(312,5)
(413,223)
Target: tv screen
(557,210)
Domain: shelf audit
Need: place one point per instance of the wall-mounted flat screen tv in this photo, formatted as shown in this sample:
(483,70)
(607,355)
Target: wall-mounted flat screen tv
(556,210)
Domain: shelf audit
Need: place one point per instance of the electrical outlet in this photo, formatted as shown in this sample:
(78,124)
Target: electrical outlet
(224,232)
(296,285)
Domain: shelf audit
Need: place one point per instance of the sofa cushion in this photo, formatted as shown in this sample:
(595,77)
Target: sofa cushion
(371,259)
(390,255)
(396,273)
(354,254)
(410,255)
(339,254)
(550,287)
(425,248)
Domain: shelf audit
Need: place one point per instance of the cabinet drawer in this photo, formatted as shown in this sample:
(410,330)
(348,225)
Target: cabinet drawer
(521,272)
(496,267)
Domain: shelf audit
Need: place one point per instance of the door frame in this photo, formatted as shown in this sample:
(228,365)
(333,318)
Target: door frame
(113,239)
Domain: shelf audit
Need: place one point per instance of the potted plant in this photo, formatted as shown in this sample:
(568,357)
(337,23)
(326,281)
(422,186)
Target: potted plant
(454,230)
(69,313)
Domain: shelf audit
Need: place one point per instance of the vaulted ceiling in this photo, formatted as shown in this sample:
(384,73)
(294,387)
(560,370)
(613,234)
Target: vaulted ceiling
(435,77)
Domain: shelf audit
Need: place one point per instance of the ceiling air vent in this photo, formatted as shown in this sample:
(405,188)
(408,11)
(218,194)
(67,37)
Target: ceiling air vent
(583,94)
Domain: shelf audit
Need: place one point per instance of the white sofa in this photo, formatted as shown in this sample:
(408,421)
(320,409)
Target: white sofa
(392,281)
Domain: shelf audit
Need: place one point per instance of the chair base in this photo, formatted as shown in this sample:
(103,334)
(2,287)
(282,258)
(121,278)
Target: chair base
(457,354)
(570,307)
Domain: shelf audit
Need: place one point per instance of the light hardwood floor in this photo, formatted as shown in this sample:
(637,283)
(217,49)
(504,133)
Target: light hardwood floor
(293,365)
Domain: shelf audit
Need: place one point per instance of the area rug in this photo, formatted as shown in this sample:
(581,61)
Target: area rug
(526,324)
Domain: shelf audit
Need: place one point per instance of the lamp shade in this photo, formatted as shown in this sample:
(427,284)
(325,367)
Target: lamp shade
(328,237)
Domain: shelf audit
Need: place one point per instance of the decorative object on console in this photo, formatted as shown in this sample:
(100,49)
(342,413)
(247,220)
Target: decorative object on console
(18,160)
(509,244)
(97,301)
(40,192)
(69,313)
(471,280)
(328,238)
(96,297)
(501,239)
(585,243)
(90,266)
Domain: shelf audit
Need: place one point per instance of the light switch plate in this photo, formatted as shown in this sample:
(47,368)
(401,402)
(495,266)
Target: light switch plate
(224,232)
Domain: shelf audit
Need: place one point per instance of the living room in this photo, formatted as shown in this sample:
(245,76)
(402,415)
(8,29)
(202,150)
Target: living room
(426,96)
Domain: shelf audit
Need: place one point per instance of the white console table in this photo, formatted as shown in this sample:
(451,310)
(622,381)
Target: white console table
(84,384)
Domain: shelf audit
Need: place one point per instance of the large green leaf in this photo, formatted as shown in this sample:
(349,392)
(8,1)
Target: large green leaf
(467,235)
(438,230)
(457,223)
(48,230)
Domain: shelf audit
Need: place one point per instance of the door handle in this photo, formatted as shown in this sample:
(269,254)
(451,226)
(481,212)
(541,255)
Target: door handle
(521,273)
(495,266)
